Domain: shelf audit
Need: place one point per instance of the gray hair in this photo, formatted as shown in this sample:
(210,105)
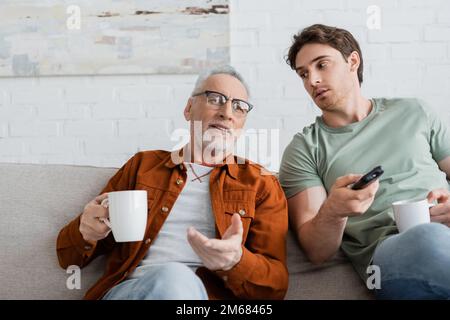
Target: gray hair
(229,70)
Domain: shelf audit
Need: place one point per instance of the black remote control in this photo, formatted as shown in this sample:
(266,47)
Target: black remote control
(368,178)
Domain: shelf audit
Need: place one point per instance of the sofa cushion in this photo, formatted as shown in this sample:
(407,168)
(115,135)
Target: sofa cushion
(335,279)
(36,201)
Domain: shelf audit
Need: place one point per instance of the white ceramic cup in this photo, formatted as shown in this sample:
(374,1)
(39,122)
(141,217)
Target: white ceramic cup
(127,214)
(410,213)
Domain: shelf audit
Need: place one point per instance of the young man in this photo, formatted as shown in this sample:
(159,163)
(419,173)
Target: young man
(217,226)
(353,135)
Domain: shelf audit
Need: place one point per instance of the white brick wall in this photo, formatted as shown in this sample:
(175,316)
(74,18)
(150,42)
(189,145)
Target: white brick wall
(103,120)
(408,56)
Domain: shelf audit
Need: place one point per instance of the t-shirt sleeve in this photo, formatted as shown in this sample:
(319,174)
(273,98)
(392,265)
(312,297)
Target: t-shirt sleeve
(298,170)
(439,134)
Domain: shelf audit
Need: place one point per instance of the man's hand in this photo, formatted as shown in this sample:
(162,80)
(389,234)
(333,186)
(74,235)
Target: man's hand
(92,227)
(440,212)
(219,254)
(343,202)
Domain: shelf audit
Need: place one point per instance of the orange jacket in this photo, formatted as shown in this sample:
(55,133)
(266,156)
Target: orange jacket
(261,272)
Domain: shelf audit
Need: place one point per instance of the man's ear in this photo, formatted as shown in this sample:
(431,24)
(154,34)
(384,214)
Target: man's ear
(354,61)
(187,110)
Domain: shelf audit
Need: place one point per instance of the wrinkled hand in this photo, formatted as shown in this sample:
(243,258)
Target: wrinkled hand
(441,212)
(219,254)
(92,227)
(344,202)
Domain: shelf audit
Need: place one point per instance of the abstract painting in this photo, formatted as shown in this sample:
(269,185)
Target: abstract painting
(60,37)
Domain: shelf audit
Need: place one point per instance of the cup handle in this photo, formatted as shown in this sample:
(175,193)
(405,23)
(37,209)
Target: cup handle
(105,203)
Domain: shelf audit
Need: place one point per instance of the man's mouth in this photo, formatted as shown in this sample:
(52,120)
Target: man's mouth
(319,93)
(221,127)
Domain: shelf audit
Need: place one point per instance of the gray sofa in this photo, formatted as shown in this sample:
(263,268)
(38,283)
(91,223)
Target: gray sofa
(36,201)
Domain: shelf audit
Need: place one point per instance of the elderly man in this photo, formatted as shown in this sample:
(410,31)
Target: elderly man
(217,225)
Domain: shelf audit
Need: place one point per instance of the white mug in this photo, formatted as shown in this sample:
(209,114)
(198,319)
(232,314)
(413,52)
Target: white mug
(410,213)
(127,214)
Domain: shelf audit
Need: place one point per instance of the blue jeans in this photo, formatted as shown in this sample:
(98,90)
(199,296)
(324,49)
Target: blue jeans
(415,264)
(170,281)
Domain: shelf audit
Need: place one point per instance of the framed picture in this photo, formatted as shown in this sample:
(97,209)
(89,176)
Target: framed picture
(112,37)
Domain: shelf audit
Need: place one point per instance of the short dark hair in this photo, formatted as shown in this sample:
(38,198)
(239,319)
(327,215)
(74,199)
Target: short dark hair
(339,39)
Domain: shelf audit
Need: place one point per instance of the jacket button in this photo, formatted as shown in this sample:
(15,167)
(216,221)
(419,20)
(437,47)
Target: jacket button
(165,209)
(179,181)
(242,212)
(181,167)
(87,247)
(148,241)
(225,278)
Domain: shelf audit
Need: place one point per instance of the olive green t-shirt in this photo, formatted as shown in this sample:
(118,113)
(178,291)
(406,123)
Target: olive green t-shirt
(402,135)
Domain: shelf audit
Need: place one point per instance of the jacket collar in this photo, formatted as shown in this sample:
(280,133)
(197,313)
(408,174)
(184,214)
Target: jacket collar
(175,158)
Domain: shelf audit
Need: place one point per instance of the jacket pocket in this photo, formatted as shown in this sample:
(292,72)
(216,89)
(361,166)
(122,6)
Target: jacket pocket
(245,210)
(152,195)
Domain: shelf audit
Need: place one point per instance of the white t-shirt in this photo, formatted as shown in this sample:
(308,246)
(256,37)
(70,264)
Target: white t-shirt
(192,208)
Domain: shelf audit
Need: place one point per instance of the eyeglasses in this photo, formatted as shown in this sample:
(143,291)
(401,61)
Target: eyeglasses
(240,107)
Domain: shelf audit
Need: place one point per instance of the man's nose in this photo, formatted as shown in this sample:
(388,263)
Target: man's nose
(226,111)
(314,79)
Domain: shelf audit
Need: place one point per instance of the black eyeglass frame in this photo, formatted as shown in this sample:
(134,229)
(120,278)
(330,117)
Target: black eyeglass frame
(207,92)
